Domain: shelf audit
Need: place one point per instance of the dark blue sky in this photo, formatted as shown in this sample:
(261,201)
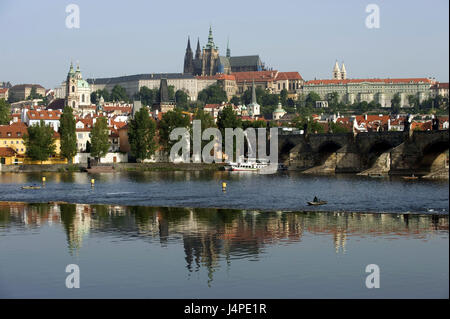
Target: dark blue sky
(129,37)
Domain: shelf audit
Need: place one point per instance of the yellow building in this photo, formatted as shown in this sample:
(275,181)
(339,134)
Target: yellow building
(13,148)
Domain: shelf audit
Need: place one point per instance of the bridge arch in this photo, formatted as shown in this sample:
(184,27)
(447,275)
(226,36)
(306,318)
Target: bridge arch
(434,156)
(376,149)
(326,150)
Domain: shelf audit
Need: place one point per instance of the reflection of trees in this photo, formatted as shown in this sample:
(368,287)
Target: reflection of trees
(68,213)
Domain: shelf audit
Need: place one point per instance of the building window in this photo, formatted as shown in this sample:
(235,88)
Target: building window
(73,88)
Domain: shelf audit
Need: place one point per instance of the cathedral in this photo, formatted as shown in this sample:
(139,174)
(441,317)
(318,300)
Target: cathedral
(207,60)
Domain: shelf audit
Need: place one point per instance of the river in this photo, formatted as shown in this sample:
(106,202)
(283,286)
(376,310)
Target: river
(179,235)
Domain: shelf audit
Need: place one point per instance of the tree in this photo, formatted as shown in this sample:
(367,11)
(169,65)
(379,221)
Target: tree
(338,128)
(228,119)
(118,93)
(283,96)
(182,99)
(141,135)
(213,94)
(312,126)
(68,134)
(5,112)
(311,99)
(33,94)
(147,96)
(235,100)
(170,121)
(99,138)
(395,104)
(40,142)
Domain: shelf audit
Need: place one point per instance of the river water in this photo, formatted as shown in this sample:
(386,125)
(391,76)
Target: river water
(178,235)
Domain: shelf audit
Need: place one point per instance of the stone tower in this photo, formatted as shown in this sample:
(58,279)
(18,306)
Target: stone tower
(210,56)
(228,49)
(343,72)
(188,59)
(336,72)
(165,104)
(72,88)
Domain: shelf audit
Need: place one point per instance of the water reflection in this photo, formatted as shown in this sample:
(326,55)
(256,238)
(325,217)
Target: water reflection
(208,235)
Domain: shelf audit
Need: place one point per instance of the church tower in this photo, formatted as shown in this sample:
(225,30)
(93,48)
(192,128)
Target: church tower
(78,91)
(343,72)
(210,56)
(188,59)
(228,49)
(336,72)
(72,88)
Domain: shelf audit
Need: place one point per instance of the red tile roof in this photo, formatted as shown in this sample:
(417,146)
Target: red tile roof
(15,130)
(387,81)
(288,76)
(7,151)
(257,76)
(44,115)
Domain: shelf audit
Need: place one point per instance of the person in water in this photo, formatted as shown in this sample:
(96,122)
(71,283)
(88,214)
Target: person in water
(315,199)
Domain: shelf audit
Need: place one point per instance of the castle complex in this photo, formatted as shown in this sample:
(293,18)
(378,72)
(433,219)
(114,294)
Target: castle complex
(208,61)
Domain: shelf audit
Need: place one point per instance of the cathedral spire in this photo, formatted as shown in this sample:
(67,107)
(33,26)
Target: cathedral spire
(210,44)
(228,48)
(188,59)
(198,52)
(188,44)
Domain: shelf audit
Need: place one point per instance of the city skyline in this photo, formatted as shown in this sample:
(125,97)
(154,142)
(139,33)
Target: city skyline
(110,42)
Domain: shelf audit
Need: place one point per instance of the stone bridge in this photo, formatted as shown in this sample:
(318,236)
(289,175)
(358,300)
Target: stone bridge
(414,152)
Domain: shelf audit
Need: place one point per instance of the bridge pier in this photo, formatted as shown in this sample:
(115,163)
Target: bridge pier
(393,153)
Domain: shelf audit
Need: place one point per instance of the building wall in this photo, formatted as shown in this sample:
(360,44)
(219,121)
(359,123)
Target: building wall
(379,92)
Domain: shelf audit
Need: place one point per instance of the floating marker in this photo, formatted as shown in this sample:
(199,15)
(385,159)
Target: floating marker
(43,179)
(224,185)
(92,182)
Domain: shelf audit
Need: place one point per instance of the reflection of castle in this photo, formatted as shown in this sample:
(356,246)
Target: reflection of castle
(208,61)
(210,235)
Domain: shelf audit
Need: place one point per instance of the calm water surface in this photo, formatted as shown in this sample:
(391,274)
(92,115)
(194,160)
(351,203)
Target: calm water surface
(245,190)
(262,243)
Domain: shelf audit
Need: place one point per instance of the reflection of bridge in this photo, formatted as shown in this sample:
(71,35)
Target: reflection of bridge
(419,152)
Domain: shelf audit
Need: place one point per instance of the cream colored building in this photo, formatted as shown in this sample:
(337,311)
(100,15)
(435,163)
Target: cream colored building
(378,90)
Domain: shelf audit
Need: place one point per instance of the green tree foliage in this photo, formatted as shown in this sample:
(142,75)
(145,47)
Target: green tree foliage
(311,99)
(170,121)
(312,126)
(148,96)
(395,104)
(141,135)
(118,93)
(95,96)
(182,100)
(40,142)
(235,100)
(5,112)
(213,94)
(205,117)
(99,138)
(338,128)
(68,134)
(283,96)
(228,119)
(33,94)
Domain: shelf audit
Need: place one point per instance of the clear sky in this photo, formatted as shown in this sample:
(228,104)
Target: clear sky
(130,37)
